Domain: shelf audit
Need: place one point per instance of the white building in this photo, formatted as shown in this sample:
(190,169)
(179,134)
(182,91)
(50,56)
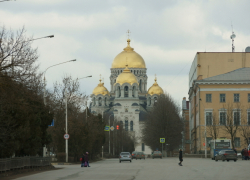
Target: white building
(128,99)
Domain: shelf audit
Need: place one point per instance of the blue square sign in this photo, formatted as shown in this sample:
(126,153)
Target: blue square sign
(162,140)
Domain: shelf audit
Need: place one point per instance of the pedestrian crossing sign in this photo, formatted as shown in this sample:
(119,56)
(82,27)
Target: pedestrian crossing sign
(106,128)
(162,140)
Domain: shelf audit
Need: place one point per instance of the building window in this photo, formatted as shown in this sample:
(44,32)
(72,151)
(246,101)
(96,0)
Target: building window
(142,147)
(222,97)
(236,97)
(100,101)
(126,125)
(222,118)
(237,142)
(208,97)
(248,97)
(208,118)
(121,123)
(126,91)
(208,141)
(248,118)
(236,118)
(131,126)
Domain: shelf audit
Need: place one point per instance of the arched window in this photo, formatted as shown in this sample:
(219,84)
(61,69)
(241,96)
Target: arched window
(126,124)
(119,91)
(131,126)
(100,101)
(94,101)
(126,91)
(155,99)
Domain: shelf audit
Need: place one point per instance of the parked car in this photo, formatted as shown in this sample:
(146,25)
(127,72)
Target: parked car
(140,155)
(134,155)
(157,154)
(226,155)
(125,156)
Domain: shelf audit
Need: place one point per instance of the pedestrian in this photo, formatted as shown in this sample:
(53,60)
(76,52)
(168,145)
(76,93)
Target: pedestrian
(87,158)
(246,154)
(83,157)
(242,154)
(180,157)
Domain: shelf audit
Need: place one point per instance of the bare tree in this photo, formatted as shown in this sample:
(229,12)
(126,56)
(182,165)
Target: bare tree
(233,119)
(245,129)
(214,127)
(17,57)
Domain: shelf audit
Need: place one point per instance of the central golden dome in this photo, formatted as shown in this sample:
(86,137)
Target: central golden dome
(130,57)
(126,77)
(100,89)
(155,89)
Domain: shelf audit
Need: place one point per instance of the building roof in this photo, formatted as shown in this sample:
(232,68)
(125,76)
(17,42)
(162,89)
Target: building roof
(242,74)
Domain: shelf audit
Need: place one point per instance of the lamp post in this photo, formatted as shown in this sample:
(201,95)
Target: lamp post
(109,132)
(66,118)
(44,95)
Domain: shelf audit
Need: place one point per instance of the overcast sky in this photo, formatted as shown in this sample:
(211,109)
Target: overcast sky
(166,33)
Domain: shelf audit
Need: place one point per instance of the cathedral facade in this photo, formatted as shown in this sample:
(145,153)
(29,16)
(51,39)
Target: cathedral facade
(128,99)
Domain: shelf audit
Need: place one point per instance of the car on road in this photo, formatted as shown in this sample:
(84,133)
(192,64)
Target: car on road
(157,154)
(140,155)
(134,155)
(226,155)
(125,156)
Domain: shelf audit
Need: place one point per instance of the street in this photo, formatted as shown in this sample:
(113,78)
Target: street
(151,169)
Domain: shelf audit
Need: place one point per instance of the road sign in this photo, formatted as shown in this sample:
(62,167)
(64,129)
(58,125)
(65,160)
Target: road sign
(162,140)
(203,144)
(66,136)
(112,128)
(106,128)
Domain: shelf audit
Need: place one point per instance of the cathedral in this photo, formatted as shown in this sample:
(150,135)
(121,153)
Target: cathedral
(128,99)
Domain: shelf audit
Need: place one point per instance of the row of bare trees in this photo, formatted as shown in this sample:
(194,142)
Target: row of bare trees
(23,116)
(231,121)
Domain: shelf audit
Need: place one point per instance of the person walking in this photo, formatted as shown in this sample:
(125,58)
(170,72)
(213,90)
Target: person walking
(87,158)
(180,157)
(83,156)
(242,154)
(246,154)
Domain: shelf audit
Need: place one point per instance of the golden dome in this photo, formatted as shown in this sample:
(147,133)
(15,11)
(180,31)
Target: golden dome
(100,89)
(155,89)
(130,57)
(126,77)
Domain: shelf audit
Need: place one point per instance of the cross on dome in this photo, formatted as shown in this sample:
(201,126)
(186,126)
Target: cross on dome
(128,32)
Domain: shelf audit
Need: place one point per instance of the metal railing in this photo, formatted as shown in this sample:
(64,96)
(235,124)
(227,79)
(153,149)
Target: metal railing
(8,164)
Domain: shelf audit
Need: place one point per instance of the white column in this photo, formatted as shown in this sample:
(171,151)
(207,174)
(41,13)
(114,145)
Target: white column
(130,92)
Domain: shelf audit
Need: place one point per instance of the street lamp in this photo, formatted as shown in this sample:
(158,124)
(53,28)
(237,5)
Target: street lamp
(44,96)
(66,118)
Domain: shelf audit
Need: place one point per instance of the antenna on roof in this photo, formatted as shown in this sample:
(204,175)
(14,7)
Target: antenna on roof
(233,36)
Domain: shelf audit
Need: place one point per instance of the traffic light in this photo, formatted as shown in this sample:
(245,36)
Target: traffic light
(117,127)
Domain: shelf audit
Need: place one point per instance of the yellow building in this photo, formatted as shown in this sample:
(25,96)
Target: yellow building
(219,96)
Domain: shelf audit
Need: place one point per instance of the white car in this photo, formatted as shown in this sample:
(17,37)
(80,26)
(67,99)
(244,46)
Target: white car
(125,156)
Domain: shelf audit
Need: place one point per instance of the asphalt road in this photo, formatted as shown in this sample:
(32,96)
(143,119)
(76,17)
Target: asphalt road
(150,169)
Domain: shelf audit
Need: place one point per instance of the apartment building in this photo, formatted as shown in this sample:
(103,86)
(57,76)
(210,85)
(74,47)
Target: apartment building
(219,91)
